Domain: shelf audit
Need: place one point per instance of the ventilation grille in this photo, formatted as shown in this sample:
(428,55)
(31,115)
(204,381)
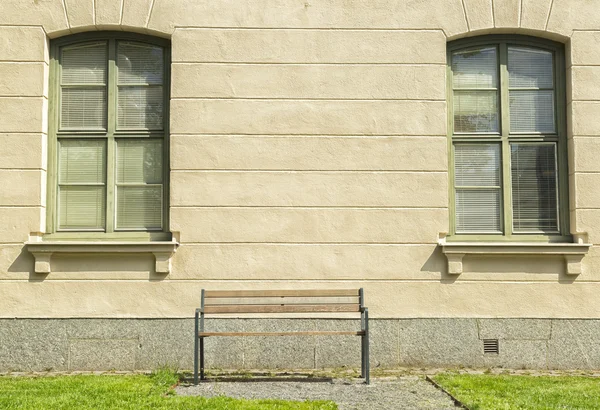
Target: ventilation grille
(490,346)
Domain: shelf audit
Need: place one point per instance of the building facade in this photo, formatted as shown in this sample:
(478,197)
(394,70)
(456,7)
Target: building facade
(443,155)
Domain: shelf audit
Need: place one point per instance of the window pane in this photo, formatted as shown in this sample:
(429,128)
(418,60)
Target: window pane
(83,108)
(534,194)
(139,161)
(475,111)
(478,211)
(81,207)
(81,161)
(139,63)
(528,67)
(139,164)
(475,68)
(139,207)
(84,64)
(477,165)
(141,107)
(532,111)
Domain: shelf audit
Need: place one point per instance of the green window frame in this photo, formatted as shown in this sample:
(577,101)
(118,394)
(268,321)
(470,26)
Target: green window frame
(108,151)
(508,181)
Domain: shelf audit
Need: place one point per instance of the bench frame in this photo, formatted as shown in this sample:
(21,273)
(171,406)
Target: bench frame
(207,306)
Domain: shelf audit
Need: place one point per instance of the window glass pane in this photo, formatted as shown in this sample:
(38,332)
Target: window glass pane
(478,211)
(83,108)
(81,207)
(81,161)
(534,193)
(476,111)
(475,68)
(84,64)
(478,193)
(528,67)
(81,179)
(532,111)
(140,107)
(139,207)
(139,63)
(477,164)
(139,161)
(139,183)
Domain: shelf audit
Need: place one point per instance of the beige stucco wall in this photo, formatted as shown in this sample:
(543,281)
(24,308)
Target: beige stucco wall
(308,149)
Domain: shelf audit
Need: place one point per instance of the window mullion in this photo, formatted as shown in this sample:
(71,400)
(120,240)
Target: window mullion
(110,149)
(505,127)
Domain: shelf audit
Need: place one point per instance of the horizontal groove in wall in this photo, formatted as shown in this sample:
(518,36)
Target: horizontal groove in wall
(309,28)
(301,99)
(395,208)
(261,134)
(22,206)
(299,171)
(23,96)
(270,63)
(22,169)
(304,243)
(342,136)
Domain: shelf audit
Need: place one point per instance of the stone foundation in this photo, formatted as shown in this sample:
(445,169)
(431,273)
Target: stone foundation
(146,344)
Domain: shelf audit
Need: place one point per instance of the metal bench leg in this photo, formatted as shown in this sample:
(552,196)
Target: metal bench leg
(367,364)
(362,356)
(202,359)
(196,349)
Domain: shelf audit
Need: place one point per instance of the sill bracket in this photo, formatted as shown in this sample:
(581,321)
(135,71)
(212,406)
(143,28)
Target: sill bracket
(43,251)
(572,253)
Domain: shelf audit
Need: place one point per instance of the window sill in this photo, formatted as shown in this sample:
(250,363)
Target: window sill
(43,251)
(572,253)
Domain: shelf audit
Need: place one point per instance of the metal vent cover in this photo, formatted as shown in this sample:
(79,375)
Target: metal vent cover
(491,346)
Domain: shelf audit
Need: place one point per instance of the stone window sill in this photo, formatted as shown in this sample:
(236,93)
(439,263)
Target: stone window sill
(43,251)
(572,253)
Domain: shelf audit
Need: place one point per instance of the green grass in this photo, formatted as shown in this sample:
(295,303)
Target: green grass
(497,392)
(124,392)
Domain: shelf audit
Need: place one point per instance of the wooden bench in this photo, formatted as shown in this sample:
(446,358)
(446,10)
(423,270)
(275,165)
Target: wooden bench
(267,303)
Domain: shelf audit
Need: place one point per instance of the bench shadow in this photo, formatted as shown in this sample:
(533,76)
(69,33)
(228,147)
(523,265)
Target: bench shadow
(259,377)
(190,380)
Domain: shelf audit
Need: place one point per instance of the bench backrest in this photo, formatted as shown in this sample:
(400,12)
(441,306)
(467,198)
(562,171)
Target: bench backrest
(282,301)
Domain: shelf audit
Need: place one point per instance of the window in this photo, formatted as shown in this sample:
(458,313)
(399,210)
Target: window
(109,136)
(508,139)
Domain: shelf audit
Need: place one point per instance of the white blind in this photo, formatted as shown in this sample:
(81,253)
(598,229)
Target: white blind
(139,183)
(532,111)
(530,68)
(84,64)
(534,187)
(477,188)
(140,107)
(139,207)
(531,95)
(83,86)
(82,184)
(475,68)
(475,84)
(140,91)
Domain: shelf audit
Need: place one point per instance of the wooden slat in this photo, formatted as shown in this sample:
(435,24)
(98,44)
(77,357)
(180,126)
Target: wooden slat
(279,293)
(315,333)
(287,300)
(281,308)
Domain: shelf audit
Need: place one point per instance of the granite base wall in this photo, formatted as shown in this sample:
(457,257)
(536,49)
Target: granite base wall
(146,344)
